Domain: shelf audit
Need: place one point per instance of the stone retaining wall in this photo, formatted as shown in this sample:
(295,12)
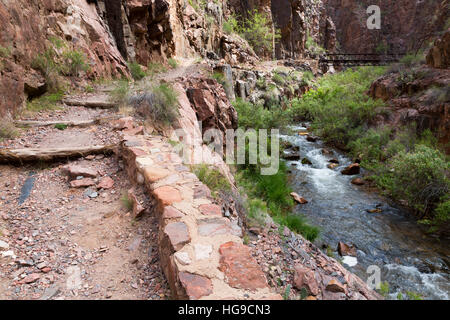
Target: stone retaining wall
(202,253)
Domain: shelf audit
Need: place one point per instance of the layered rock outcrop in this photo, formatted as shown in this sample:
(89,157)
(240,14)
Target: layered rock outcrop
(405,25)
(27,26)
(296,20)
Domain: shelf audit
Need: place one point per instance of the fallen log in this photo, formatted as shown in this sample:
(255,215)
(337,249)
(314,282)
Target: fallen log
(81,123)
(31,123)
(51,154)
(94,102)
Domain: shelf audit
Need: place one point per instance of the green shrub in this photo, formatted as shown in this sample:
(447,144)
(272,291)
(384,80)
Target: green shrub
(154,68)
(173,63)
(278,79)
(61,126)
(298,224)
(48,101)
(231,25)
(74,62)
(339,108)
(120,92)
(5,52)
(136,71)
(419,177)
(212,178)
(257,30)
(8,130)
(159,105)
(258,117)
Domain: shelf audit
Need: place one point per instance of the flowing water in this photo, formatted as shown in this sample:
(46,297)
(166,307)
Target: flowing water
(409,260)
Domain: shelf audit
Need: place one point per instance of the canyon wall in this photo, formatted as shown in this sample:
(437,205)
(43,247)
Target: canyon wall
(406,25)
(295,19)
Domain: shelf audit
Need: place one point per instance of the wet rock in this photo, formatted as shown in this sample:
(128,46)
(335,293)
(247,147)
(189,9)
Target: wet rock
(358,181)
(305,278)
(352,169)
(327,152)
(346,250)
(311,138)
(334,160)
(376,210)
(306,161)
(332,166)
(298,199)
(26,188)
(291,156)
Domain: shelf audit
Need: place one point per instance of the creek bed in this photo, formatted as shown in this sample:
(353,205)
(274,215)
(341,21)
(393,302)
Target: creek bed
(409,259)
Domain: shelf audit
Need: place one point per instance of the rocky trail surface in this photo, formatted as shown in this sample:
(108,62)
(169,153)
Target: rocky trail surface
(66,229)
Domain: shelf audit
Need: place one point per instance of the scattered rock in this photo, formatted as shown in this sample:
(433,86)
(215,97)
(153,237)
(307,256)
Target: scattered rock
(352,169)
(3,245)
(346,250)
(298,198)
(105,183)
(82,183)
(76,170)
(358,181)
(31,278)
(335,286)
(305,278)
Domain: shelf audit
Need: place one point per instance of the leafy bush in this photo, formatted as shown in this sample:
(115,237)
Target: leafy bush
(48,101)
(419,177)
(278,79)
(173,63)
(338,108)
(258,117)
(136,71)
(231,25)
(7,130)
(212,178)
(257,30)
(154,68)
(158,105)
(74,62)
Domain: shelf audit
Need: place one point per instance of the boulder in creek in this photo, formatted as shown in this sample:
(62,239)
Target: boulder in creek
(334,160)
(298,199)
(311,138)
(346,250)
(306,161)
(358,181)
(291,156)
(332,166)
(352,169)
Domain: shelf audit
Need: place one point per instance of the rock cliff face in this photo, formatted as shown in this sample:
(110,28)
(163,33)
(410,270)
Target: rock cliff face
(405,24)
(26,27)
(296,20)
(419,94)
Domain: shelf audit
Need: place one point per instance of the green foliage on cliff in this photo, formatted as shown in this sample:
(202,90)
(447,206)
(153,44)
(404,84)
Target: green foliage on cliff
(256,29)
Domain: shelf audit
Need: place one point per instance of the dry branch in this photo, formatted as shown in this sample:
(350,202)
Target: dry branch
(51,154)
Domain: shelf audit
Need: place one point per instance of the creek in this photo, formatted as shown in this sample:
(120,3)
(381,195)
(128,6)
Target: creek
(409,259)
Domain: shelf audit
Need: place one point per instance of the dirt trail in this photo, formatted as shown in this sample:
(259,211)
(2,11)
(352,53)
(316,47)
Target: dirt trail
(74,243)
